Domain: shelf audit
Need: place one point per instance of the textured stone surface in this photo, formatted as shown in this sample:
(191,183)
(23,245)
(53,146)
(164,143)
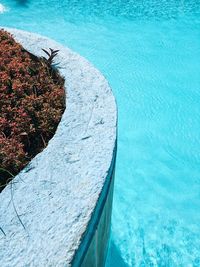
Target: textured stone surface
(95,255)
(57,192)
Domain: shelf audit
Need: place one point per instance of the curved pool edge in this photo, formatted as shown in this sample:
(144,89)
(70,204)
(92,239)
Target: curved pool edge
(64,196)
(93,248)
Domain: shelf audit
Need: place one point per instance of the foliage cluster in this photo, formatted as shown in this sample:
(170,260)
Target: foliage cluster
(31,105)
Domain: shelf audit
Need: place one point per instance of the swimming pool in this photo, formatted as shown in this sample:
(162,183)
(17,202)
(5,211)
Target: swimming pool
(150,53)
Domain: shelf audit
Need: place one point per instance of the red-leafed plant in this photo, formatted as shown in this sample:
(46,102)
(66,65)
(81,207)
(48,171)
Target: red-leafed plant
(31,105)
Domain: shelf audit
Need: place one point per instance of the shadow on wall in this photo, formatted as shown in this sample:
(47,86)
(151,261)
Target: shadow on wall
(114,257)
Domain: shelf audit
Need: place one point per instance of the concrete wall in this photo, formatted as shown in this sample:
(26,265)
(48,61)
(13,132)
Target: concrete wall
(97,250)
(94,245)
(56,212)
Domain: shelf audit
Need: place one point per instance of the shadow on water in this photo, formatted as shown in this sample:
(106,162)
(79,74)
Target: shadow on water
(114,257)
(22,2)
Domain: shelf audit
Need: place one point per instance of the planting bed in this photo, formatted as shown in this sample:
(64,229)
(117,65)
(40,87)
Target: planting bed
(31,105)
(57,210)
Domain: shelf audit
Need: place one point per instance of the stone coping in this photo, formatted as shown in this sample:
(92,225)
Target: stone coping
(57,193)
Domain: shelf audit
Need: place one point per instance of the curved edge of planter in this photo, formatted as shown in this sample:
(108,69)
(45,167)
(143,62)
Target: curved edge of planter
(57,211)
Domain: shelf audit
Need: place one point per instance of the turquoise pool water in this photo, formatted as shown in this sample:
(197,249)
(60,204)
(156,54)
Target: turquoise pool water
(150,53)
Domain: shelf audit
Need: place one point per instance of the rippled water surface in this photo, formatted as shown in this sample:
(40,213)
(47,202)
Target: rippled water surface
(150,53)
